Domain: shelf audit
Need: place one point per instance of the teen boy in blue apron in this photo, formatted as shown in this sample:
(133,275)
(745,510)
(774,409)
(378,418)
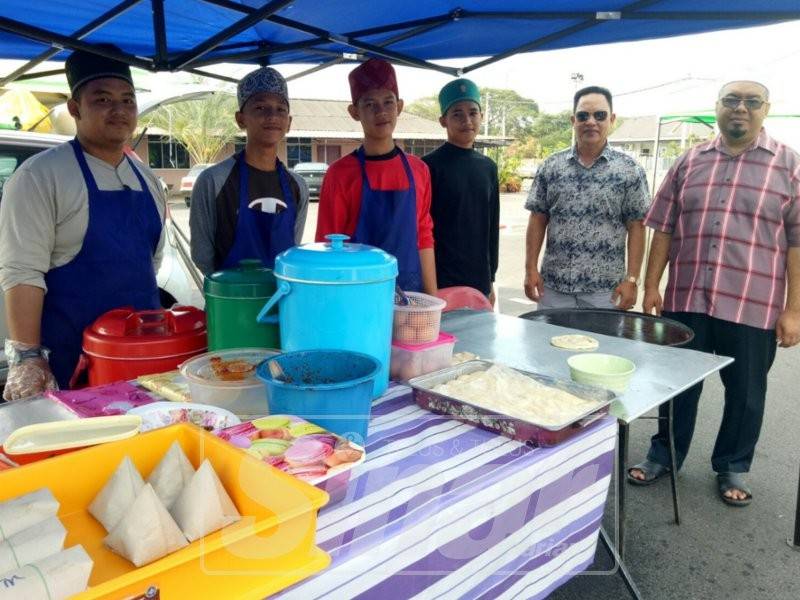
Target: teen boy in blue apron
(250,206)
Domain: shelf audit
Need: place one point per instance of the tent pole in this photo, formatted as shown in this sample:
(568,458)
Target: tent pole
(392,40)
(159,34)
(51,38)
(331,37)
(81,33)
(233,30)
(655,155)
(588,23)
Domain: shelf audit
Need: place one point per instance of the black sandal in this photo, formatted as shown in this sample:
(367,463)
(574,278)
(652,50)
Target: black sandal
(728,481)
(653,471)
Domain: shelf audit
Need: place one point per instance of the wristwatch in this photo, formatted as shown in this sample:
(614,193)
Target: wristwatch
(632,279)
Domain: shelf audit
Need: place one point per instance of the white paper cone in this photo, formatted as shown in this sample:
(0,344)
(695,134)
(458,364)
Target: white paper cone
(34,543)
(147,532)
(21,512)
(171,475)
(117,495)
(204,505)
(56,577)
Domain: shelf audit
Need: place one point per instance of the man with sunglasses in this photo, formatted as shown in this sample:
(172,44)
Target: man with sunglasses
(590,200)
(727,221)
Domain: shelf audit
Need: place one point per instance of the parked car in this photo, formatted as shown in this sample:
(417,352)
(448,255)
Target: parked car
(178,279)
(187,181)
(312,173)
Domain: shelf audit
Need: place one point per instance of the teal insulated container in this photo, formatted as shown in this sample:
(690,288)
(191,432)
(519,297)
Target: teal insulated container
(234,298)
(336,296)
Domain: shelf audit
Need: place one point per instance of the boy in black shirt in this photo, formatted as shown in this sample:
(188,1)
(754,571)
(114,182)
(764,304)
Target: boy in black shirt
(465,203)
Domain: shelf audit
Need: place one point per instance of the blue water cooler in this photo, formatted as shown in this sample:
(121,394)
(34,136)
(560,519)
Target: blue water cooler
(336,296)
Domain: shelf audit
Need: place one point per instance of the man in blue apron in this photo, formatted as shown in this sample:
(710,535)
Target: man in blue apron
(379,195)
(250,205)
(81,231)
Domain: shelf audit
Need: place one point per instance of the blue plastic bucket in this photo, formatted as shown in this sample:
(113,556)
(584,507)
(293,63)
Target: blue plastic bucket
(336,295)
(332,388)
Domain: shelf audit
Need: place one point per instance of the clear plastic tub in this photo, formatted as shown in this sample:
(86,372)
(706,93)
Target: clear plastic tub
(227,379)
(414,360)
(418,322)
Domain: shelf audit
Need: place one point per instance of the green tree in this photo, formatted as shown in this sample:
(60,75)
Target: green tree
(506,109)
(204,126)
(427,108)
(551,132)
(508,112)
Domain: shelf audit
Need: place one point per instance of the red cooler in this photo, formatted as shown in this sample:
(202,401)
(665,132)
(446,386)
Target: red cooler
(123,344)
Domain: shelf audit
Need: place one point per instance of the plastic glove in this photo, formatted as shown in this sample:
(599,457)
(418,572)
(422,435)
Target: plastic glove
(26,377)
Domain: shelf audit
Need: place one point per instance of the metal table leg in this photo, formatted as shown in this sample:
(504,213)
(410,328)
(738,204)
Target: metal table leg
(673,464)
(622,462)
(623,570)
(795,543)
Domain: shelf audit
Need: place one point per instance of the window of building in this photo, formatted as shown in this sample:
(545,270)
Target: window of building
(298,150)
(164,152)
(420,147)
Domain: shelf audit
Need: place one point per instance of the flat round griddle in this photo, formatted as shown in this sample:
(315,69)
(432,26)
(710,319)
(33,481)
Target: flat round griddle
(617,323)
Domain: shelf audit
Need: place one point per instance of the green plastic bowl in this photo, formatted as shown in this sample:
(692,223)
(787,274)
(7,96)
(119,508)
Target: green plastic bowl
(603,370)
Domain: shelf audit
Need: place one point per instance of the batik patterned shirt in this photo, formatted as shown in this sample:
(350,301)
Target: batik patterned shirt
(588,209)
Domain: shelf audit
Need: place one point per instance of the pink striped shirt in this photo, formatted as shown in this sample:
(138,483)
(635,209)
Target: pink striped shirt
(732,219)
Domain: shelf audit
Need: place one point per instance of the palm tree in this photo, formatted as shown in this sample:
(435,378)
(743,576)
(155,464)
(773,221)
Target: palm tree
(204,127)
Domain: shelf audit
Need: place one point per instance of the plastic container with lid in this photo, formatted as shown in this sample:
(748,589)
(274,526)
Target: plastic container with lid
(123,344)
(417,322)
(336,296)
(413,360)
(234,298)
(227,379)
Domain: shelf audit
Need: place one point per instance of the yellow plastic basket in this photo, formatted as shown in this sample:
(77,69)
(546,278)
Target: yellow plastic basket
(271,548)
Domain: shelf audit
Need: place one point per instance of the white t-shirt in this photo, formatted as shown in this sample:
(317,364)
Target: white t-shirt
(44,212)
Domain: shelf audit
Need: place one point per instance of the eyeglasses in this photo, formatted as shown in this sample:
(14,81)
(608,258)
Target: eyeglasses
(749,103)
(599,115)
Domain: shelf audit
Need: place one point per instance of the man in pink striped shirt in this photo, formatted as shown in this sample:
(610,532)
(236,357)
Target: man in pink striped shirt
(727,221)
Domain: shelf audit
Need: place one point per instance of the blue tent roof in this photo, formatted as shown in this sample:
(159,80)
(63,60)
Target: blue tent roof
(189,34)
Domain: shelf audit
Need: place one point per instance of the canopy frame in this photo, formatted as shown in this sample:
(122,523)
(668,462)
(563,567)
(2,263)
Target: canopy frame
(214,50)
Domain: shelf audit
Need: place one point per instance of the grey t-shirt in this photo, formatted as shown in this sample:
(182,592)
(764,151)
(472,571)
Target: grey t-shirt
(45,211)
(215,209)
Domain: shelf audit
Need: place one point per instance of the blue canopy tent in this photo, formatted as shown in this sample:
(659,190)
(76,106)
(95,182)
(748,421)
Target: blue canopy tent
(172,35)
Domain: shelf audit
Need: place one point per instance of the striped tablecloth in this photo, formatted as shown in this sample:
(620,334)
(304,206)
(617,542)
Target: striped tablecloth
(445,510)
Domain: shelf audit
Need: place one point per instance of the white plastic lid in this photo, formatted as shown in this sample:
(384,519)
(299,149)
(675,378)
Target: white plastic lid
(235,367)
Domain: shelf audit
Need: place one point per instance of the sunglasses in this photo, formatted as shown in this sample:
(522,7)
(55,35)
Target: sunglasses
(749,103)
(599,115)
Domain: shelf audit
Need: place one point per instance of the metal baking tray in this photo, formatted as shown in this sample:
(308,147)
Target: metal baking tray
(531,433)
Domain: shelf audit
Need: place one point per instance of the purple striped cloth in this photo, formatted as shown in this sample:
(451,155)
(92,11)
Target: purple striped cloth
(441,509)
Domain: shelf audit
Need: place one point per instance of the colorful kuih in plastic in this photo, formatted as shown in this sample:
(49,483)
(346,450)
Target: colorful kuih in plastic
(295,446)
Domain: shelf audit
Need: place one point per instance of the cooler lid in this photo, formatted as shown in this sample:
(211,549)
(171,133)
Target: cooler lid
(250,279)
(127,333)
(336,261)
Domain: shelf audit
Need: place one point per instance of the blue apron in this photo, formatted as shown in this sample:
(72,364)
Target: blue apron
(388,219)
(113,268)
(258,234)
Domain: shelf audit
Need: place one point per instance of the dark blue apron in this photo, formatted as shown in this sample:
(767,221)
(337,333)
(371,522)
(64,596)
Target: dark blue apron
(388,219)
(113,268)
(258,234)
